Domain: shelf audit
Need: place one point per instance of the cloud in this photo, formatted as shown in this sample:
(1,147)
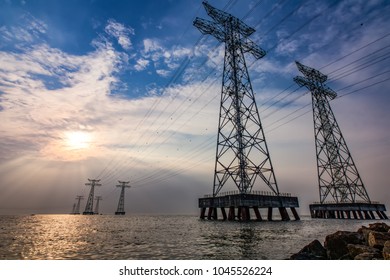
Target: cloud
(141,64)
(120,32)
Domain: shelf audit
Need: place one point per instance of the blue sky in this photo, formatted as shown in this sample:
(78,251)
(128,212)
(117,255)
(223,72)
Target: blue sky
(129,90)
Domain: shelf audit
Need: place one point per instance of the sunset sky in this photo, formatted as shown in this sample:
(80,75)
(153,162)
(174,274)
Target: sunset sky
(130,91)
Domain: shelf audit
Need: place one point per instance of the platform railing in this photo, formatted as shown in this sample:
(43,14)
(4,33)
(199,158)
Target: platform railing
(267,193)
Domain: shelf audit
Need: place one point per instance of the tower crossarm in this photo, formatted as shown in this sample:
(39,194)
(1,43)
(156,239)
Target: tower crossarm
(314,85)
(251,47)
(311,73)
(222,17)
(210,28)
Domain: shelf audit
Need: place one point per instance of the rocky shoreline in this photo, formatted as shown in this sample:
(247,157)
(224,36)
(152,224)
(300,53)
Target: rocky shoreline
(368,243)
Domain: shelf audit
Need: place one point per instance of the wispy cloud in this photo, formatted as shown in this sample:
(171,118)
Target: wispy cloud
(120,32)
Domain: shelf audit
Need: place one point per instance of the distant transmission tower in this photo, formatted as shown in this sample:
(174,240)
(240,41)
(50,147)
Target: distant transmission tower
(89,206)
(242,157)
(338,178)
(97,198)
(121,204)
(74,208)
(77,209)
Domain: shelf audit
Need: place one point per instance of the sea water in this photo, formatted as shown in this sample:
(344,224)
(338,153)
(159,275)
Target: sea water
(144,237)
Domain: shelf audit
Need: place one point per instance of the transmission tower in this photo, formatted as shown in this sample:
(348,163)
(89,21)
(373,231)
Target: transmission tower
(97,198)
(121,204)
(338,178)
(89,206)
(242,156)
(77,209)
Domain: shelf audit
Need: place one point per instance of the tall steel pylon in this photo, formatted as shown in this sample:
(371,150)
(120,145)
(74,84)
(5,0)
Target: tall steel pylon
(89,206)
(121,204)
(338,176)
(97,198)
(77,208)
(242,157)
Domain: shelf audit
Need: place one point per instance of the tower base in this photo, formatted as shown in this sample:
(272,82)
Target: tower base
(120,213)
(88,213)
(243,207)
(355,211)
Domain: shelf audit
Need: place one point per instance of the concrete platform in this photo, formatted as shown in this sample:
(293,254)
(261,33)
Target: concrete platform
(356,211)
(244,206)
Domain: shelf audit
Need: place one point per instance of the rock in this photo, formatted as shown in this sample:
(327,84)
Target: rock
(368,256)
(336,243)
(364,231)
(378,239)
(380,227)
(313,251)
(386,250)
(357,249)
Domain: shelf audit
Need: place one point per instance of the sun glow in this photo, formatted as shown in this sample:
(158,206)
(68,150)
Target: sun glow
(77,140)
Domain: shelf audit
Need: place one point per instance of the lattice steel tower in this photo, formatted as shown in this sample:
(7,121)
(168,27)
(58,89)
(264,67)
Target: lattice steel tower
(338,176)
(242,157)
(77,208)
(121,204)
(89,206)
(97,198)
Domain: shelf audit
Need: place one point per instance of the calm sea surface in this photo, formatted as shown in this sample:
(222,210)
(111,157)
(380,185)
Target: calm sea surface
(157,237)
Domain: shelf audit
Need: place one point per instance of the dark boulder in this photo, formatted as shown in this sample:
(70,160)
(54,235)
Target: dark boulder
(313,251)
(357,249)
(378,239)
(368,256)
(380,227)
(336,243)
(386,250)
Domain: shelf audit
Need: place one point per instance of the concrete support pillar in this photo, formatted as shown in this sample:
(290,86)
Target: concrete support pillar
(284,214)
(384,215)
(360,215)
(203,213)
(372,215)
(224,217)
(294,211)
(269,213)
(342,214)
(239,213)
(257,213)
(232,213)
(354,215)
(348,214)
(366,215)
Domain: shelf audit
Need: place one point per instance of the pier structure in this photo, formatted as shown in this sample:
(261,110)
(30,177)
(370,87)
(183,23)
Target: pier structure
(121,203)
(243,164)
(342,192)
(89,206)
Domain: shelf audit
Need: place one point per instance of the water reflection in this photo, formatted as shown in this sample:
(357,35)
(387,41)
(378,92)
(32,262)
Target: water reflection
(155,237)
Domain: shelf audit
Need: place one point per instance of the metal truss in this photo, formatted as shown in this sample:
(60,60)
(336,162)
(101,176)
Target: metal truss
(242,157)
(338,176)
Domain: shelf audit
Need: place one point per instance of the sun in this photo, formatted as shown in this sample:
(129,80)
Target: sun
(78,140)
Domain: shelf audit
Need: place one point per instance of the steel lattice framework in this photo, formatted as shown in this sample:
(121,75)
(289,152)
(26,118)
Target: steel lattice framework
(338,176)
(242,157)
(121,204)
(89,205)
